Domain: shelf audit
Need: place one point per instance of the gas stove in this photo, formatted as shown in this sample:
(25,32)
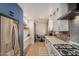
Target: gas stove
(67,49)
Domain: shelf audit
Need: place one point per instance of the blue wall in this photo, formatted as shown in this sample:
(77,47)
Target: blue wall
(14,11)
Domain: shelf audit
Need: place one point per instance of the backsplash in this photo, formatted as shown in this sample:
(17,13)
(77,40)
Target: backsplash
(63,36)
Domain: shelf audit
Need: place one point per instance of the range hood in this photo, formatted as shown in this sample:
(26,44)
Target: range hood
(70,14)
(77,8)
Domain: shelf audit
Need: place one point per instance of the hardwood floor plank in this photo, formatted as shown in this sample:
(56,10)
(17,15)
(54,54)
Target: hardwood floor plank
(38,49)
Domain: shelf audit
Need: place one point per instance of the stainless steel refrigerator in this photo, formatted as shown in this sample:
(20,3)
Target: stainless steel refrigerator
(9,39)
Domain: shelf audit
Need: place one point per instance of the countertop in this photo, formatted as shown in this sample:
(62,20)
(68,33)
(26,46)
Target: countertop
(55,40)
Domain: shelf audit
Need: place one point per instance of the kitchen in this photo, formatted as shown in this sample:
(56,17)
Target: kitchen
(39,29)
(56,32)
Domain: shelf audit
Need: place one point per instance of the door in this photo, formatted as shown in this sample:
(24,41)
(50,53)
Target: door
(9,34)
(5,36)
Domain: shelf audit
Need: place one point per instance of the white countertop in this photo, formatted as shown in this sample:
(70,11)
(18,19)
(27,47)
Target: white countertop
(55,40)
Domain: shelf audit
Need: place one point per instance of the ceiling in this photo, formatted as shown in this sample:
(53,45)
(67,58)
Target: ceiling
(36,10)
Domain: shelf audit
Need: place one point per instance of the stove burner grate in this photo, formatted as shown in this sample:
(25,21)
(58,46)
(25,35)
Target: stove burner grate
(67,49)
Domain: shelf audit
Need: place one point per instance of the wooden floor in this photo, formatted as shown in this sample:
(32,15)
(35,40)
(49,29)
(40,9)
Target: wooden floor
(38,49)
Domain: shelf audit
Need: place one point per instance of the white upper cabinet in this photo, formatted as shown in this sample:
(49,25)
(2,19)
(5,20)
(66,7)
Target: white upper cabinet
(61,25)
(58,11)
(64,25)
(56,25)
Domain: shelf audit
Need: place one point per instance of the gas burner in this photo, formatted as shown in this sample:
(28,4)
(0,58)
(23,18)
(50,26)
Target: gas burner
(65,52)
(63,46)
(67,49)
(76,51)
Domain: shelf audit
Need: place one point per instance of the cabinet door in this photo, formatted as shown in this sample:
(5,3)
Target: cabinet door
(61,25)
(56,25)
(64,26)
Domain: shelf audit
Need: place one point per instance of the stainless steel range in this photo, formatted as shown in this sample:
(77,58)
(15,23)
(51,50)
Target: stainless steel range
(67,49)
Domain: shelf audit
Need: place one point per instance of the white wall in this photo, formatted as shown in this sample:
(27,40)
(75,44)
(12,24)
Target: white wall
(41,27)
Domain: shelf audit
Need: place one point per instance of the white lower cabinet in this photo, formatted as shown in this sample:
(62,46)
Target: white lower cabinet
(51,49)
